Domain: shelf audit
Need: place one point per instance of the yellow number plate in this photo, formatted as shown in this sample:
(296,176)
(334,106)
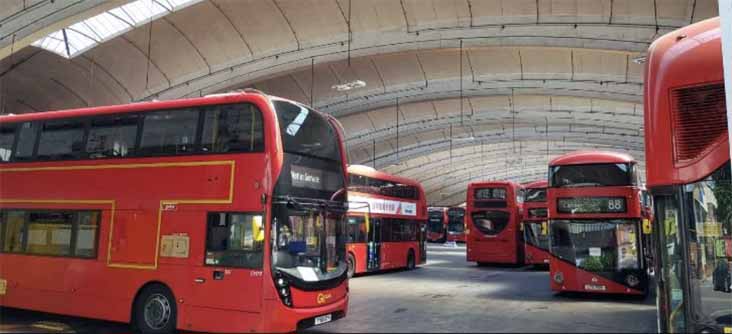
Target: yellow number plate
(3,286)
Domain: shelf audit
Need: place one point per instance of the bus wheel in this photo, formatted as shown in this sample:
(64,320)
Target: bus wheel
(155,310)
(351,265)
(410,260)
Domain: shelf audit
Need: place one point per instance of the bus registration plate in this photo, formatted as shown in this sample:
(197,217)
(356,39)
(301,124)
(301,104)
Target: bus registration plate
(595,287)
(323,319)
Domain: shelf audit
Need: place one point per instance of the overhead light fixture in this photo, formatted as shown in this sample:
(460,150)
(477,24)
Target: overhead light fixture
(463,139)
(641,59)
(349,85)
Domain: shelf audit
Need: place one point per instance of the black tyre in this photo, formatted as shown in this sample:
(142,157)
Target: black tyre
(410,260)
(155,311)
(351,265)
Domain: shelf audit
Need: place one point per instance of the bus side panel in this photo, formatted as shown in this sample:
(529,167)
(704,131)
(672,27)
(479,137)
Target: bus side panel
(398,253)
(203,319)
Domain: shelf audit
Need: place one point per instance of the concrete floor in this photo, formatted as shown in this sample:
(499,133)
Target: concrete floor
(445,295)
(449,294)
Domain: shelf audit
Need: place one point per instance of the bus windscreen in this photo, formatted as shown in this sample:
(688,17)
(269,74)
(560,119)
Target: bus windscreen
(593,175)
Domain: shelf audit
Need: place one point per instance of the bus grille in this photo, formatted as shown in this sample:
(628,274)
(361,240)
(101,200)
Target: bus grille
(699,120)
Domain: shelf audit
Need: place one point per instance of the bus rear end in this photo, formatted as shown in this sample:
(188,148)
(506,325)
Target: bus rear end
(456,224)
(595,224)
(437,224)
(535,224)
(493,218)
(689,177)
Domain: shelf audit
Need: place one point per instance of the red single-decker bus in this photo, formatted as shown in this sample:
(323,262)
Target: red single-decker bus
(387,221)
(595,217)
(494,219)
(218,214)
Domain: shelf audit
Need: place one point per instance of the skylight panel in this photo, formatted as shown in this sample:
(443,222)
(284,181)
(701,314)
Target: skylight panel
(86,34)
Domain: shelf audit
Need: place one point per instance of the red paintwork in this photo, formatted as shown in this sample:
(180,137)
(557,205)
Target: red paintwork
(435,236)
(590,157)
(672,63)
(245,300)
(506,246)
(533,254)
(575,280)
(393,254)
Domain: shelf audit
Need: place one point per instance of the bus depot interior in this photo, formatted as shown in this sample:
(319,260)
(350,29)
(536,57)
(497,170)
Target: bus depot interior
(279,166)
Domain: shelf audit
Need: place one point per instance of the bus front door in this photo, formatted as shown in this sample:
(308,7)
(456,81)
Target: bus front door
(422,246)
(373,249)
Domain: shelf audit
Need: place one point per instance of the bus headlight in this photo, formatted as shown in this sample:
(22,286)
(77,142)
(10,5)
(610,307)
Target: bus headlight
(283,290)
(559,277)
(632,280)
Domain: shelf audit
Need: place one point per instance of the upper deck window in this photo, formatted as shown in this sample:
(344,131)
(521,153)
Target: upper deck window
(490,193)
(370,185)
(27,134)
(305,132)
(7,139)
(61,139)
(225,128)
(169,132)
(232,128)
(112,136)
(593,175)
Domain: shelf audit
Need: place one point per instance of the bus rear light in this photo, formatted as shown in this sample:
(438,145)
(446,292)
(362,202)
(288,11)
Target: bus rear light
(559,277)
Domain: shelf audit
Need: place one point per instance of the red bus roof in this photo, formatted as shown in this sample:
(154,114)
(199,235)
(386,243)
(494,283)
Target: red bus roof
(536,184)
(487,184)
(591,157)
(687,62)
(233,97)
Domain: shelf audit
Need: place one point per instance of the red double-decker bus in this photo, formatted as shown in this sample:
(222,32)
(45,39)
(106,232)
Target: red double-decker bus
(494,223)
(595,217)
(218,214)
(535,223)
(455,224)
(387,221)
(436,224)
(689,177)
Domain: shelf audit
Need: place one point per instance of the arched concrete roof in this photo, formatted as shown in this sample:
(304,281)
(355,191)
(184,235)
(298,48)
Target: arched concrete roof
(538,78)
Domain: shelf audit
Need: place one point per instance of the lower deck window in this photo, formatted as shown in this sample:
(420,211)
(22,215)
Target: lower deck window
(50,232)
(235,240)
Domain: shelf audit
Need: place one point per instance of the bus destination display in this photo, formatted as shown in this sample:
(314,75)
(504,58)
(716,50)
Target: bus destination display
(592,205)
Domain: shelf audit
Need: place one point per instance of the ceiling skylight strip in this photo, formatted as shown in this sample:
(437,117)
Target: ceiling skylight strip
(87,34)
